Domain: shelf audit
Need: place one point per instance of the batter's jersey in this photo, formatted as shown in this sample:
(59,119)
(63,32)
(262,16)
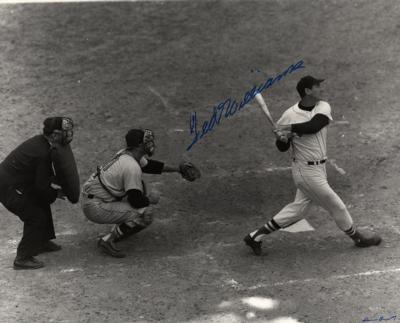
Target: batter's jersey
(308,147)
(120,175)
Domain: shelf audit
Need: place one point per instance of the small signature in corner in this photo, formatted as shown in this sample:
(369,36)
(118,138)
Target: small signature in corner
(380,319)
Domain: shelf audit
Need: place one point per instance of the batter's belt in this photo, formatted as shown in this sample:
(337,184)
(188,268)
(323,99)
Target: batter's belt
(317,162)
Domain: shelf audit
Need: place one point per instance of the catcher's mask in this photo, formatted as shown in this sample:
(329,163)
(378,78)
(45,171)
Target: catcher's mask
(135,137)
(148,141)
(60,125)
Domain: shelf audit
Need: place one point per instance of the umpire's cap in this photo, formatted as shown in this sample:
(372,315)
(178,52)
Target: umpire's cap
(307,82)
(56,123)
(134,137)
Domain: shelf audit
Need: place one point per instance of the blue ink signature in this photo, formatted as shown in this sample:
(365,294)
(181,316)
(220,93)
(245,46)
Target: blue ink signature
(231,106)
(380,319)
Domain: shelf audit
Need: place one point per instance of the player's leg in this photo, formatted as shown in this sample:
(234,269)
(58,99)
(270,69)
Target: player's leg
(49,232)
(127,219)
(136,223)
(314,183)
(31,243)
(34,220)
(290,214)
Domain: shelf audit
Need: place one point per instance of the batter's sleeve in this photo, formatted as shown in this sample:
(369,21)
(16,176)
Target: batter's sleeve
(324,108)
(313,126)
(284,119)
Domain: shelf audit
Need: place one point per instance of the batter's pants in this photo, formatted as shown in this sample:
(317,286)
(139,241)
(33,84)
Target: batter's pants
(37,218)
(313,188)
(116,212)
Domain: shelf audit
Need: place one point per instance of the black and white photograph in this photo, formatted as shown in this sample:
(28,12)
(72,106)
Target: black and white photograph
(199,161)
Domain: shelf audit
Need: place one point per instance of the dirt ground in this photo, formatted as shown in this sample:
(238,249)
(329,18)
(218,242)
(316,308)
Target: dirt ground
(113,66)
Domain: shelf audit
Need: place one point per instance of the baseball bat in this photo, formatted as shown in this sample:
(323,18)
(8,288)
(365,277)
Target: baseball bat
(263,105)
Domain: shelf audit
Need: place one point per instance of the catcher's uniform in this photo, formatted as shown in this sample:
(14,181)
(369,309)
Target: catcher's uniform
(309,153)
(104,193)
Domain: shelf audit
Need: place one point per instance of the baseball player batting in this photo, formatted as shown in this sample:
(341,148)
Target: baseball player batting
(304,127)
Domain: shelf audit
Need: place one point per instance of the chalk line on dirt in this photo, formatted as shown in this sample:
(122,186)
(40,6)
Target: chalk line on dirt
(270,170)
(319,280)
(156,93)
(70,270)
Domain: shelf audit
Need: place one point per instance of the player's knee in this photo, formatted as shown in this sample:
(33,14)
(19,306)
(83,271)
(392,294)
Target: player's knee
(144,219)
(341,208)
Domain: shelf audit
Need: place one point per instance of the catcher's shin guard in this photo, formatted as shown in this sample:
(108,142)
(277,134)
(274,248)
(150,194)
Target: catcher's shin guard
(124,231)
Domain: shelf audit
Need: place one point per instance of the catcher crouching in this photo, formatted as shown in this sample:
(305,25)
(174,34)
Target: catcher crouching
(116,193)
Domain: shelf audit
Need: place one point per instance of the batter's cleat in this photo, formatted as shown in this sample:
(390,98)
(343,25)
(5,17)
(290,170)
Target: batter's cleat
(254,245)
(363,240)
(109,248)
(27,263)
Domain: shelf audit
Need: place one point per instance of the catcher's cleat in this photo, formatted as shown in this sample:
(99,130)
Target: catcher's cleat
(109,248)
(112,243)
(27,263)
(254,245)
(364,241)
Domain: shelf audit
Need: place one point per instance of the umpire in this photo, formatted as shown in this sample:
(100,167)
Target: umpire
(26,189)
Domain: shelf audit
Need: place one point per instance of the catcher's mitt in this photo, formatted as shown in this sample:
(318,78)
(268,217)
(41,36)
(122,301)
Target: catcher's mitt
(189,171)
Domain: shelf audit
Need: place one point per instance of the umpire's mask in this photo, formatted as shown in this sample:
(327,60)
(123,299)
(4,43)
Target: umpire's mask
(60,125)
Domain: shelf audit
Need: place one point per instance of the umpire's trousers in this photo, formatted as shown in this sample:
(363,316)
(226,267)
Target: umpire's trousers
(37,218)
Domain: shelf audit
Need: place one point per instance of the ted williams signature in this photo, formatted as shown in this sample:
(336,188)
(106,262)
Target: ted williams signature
(230,106)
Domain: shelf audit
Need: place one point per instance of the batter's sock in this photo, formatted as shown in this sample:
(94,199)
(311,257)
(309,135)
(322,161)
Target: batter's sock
(351,232)
(125,230)
(268,228)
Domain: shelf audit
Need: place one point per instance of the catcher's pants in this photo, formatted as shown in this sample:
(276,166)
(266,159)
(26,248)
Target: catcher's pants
(116,212)
(312,187)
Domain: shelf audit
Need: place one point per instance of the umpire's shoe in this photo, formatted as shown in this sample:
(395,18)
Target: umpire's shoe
(254,245)
(27,263)
(50,246)
(108,248)
(364,240)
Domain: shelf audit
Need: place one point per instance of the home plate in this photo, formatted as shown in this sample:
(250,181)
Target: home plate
(300,226)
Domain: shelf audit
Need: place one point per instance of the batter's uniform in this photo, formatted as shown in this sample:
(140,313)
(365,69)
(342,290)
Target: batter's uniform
(104,197)
(309,155)
(25,190)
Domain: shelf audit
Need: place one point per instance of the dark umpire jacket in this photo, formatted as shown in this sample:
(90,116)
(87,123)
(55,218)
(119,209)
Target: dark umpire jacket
(25,190)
